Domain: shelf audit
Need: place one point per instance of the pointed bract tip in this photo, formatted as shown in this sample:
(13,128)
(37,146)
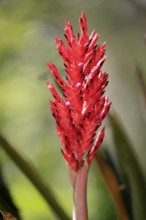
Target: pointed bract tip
(50,65)
(49,85)
(67,23)
(103,131)
(104,44)
(58,41)
(106,98)
(83,16)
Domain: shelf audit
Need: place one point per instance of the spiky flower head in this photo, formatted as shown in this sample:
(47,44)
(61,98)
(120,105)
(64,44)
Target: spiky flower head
(80,112)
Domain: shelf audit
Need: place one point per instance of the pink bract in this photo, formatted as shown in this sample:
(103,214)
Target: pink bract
(81,111)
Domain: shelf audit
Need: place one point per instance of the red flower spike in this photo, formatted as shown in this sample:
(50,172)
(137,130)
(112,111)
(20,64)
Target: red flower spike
(80,113)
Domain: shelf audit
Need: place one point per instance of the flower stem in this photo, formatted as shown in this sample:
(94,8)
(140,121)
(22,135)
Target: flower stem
(79,183)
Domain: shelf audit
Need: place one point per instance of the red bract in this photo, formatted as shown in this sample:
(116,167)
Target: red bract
(79,114)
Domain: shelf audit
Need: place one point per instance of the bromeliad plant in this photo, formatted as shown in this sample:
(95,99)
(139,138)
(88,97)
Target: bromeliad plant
(80,113)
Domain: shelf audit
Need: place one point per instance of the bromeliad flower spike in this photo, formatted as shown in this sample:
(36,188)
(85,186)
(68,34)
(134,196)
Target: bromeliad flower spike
(81,111)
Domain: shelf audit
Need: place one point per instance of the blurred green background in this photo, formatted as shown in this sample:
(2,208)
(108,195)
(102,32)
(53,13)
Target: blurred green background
(27,31)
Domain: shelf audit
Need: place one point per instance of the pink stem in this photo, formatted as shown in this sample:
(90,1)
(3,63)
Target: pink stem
(79,183)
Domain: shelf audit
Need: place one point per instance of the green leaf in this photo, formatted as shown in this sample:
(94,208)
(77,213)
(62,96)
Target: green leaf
(130,168)
(31,173)
(142,93)
(112,185)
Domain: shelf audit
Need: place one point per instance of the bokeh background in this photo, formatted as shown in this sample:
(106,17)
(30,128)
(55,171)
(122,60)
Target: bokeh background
(27,32)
